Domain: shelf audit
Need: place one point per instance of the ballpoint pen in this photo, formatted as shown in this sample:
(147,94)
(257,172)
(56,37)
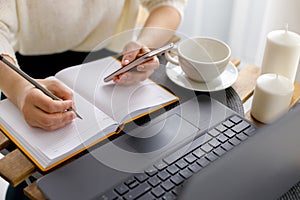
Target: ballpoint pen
(35,83)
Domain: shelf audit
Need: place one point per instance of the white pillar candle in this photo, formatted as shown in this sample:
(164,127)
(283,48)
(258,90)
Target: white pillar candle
(282,52)
(272,97)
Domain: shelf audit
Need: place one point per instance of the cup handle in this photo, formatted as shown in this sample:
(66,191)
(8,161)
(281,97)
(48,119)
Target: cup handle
(170,58)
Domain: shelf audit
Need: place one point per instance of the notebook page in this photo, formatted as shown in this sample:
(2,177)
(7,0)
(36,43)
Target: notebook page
(56,143)
(115,100)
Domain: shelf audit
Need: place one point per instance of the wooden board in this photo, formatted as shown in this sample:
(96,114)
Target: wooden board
(246,81)
(4,141)
(15,167)
(33,192)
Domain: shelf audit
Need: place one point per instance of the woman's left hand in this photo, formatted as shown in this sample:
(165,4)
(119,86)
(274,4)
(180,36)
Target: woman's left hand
(130,52)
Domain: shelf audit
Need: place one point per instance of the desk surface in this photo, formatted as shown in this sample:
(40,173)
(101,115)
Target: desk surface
(15,167)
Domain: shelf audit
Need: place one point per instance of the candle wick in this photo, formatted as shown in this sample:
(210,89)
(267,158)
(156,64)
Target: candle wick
(286,27)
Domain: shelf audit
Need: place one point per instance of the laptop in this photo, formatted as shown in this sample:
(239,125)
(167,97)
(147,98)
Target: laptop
(264,167)
(153,160)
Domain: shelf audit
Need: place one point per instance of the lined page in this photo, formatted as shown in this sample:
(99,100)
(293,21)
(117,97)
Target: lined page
(56,143)
(115,100)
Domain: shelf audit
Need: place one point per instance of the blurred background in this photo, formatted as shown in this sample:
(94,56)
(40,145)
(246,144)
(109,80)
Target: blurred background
(243,25)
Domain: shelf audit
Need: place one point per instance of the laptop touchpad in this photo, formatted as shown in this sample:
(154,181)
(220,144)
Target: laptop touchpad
(137,150)
(164,133)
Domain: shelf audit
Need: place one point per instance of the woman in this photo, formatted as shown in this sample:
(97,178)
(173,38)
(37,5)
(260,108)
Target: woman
(43,37)
(46,36)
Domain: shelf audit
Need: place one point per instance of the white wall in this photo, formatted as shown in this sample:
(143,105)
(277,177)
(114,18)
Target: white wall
(207,18)
(243,24)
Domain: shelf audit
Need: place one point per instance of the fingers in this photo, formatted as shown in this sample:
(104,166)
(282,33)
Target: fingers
(131,51)
(47,121)
(57,88)
(41,111)
(149,66)
(49,105)
(130,78)
(143,72)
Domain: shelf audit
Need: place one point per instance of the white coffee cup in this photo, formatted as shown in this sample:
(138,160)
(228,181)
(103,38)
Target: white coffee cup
(202,59)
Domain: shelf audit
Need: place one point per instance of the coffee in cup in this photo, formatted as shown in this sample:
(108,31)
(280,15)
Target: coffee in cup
(202,59)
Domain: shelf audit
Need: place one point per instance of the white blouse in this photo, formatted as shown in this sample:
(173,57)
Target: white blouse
(34,27)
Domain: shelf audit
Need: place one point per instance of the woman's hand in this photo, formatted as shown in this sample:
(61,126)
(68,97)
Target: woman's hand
(41,111)
(130,52)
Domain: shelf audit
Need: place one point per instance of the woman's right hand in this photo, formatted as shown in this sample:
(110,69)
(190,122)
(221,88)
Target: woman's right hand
(41,111)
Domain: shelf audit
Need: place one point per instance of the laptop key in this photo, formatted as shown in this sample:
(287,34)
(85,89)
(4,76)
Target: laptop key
(177,179)
(195,167)
(141,177)
(169,196)
(242,136)
(199,141)
(214,132)
(121,189)
(190,158)
(167,185)
(214,142)
(234,141)
(203,162)
(198,153)
(163,175)
(240,127)
(160,165)
(250,131)
(173,169)
(151,171)
(211,156)
(129,181)
(158,192)
(207,148)
(227,146)
(221,128)
(133,185)
(187,149)
(186,173)
(235,119)
(229,133)
(138,191)
(174,157)
(222,138)
(109,195)
(228,123)
(181,163)
(154,181)
(219,151)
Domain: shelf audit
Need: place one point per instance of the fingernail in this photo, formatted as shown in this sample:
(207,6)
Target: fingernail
(141,67)
(73,116)
(123,77)
(126,61)
(115,79)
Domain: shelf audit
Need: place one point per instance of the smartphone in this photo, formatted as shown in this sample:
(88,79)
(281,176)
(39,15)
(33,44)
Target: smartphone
(139,60)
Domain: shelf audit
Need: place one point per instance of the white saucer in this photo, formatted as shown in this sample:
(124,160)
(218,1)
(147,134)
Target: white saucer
(225,80)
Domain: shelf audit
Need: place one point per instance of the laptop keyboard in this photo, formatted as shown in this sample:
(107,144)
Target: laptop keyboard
(165,179)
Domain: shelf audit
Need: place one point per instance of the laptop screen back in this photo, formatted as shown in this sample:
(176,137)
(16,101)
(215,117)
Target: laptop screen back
(263,167)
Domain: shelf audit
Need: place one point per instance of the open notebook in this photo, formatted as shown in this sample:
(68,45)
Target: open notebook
(104,107)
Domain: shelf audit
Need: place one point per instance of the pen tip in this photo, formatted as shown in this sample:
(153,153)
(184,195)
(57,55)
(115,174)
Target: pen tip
(78,116)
